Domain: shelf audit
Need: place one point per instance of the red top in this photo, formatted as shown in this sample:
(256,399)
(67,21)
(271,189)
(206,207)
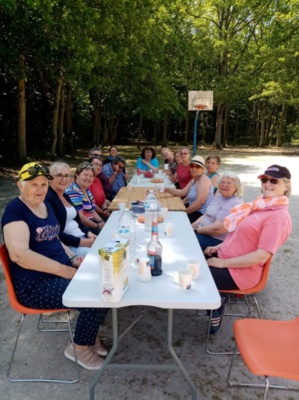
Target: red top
(98,192)
(183,175)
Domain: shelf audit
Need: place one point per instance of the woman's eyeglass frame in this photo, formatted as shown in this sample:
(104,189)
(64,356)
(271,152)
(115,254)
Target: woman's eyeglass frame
(61,176)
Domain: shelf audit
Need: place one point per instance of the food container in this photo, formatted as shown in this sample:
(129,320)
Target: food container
(115,263)
(148,174)
(137,208)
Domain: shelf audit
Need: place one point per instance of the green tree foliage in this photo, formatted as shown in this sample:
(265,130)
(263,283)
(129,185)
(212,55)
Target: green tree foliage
(102,71)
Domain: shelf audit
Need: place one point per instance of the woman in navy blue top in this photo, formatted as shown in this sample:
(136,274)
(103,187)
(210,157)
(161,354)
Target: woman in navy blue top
(41,267)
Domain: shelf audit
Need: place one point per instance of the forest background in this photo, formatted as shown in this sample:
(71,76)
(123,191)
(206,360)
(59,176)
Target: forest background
(75,73)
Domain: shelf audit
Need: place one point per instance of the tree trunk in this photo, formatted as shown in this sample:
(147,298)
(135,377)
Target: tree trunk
(225,126)
(105,133)
(60,149)
(96,128)
(219,122)
(22,154)
(187,127)
(280,127)
(139,132)
(263,123)
(55,116)
(69,122)
(165,124)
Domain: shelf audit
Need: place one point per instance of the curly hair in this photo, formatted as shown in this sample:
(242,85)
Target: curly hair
(148,148)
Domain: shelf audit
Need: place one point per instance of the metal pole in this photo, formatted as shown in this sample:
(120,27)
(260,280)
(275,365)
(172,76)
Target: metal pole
(195,133)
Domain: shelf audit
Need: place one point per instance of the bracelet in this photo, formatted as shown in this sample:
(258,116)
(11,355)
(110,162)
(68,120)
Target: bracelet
(99,222)
(71,259)
(104,209)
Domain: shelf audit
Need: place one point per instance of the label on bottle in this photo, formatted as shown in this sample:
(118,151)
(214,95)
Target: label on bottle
(155,264)
(124,229)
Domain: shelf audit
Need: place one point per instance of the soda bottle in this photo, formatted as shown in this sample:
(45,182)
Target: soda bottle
(154,251)
(127,229)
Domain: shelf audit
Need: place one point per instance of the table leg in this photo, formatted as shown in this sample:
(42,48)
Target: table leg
(111,353)
(174,355)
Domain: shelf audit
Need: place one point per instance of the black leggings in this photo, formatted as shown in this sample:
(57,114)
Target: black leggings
(223,279)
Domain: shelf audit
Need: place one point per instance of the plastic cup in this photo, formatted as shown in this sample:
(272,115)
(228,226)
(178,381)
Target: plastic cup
(168,229)
(164,211)
(138,179)
(166,166)
(185,279)
(122,206)
(144,270)
(129,186)
(194,266)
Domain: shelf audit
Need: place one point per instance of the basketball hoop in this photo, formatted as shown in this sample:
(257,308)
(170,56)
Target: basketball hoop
(200,107)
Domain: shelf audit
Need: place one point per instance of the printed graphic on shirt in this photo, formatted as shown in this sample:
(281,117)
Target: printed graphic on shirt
(48,232)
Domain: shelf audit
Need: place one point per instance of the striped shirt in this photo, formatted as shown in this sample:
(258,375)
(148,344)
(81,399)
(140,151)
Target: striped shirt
(80,201)
(192,195)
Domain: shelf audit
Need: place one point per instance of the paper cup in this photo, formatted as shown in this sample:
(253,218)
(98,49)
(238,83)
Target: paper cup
(185,279)
(122,206)
(168,229)
(194,266)
(144,270)
(166,166)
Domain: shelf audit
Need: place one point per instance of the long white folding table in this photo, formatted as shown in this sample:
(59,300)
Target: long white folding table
(146,182)
(162,291)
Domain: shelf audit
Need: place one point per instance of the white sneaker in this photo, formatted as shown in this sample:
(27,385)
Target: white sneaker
(99,348)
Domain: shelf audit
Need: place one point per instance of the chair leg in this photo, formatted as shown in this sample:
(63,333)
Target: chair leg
(42,320)
(235,315)
(41,379)
(266,386)
(240,314)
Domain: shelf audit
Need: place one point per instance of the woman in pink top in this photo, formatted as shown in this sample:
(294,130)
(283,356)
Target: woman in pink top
(256,231)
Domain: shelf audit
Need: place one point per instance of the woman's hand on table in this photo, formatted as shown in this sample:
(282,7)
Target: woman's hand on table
(87,242)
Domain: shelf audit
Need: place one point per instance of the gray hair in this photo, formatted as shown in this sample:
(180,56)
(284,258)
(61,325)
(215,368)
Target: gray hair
(85,165)
(57,166)
(118,159)
(232,175)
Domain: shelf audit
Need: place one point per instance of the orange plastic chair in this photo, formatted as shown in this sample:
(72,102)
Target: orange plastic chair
(244,292)
(28,311)
(268,348)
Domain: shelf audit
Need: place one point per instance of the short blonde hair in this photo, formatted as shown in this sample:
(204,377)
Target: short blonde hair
(239,185)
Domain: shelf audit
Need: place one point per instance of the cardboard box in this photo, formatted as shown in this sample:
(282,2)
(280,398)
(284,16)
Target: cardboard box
(115,268)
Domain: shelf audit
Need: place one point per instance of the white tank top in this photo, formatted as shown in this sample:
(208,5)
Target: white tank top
(71,226)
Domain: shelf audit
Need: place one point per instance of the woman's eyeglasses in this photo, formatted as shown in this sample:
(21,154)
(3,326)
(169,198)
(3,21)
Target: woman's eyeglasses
(195,166)
(273,181)
(60,176)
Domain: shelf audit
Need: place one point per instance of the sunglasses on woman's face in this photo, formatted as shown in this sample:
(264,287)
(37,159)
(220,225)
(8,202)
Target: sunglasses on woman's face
(273,181)
(195,166)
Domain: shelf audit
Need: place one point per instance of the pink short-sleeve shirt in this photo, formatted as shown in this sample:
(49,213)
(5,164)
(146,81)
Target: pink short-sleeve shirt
(266,229)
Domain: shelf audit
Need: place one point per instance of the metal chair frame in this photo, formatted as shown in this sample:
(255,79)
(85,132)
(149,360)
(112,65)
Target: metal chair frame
(247,292)
(267,384)
(30,311)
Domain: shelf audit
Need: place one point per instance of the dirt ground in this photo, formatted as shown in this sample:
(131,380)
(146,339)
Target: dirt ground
(43,352)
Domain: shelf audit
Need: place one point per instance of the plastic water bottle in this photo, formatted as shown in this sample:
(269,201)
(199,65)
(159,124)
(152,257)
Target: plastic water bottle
(127,229)
(150,209)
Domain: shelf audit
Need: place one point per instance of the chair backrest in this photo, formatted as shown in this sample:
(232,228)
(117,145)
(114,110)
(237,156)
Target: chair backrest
(14,302)
(260,286)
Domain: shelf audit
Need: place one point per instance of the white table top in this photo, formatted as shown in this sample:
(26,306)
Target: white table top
(162,291)
(146,182)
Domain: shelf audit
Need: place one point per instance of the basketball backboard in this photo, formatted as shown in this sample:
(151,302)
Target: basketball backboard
(200,100)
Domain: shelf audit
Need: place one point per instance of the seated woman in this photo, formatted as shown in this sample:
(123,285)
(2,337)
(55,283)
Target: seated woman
(148,160)
(199,191)
(97,190)
(82,197)
(212,165)
(173,175)
(113,151)
(72,233)
(256,231)
(41,267)
(209,228)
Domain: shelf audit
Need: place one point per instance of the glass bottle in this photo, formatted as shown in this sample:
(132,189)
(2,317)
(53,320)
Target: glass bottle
(154,251)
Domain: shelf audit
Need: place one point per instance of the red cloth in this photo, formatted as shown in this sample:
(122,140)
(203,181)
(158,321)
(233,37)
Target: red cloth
(183,175)
(98,192)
